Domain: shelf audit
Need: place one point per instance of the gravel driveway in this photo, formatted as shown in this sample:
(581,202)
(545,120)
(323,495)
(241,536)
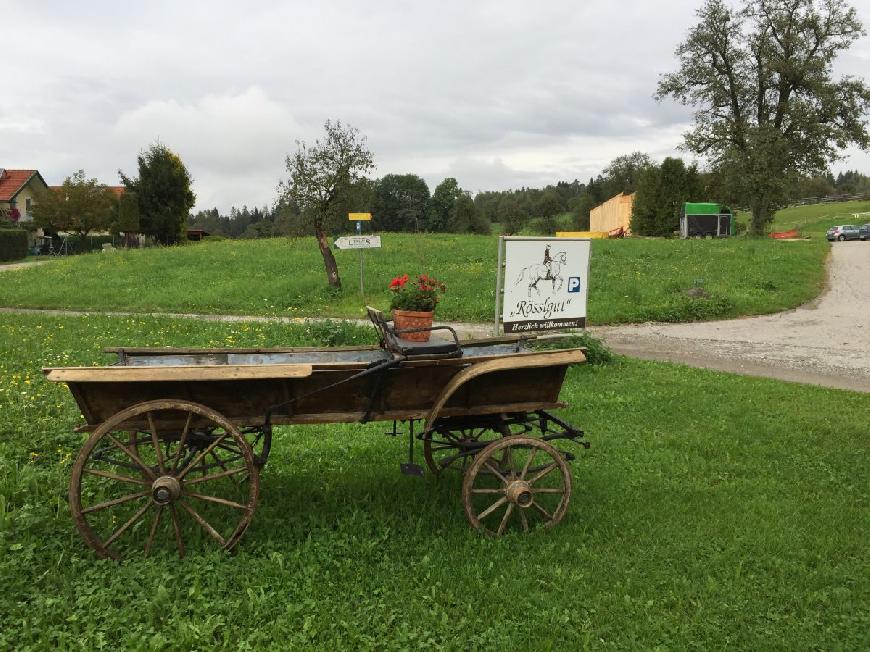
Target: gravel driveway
(825,342)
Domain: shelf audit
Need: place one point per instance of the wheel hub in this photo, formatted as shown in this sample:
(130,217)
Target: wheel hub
(519,492)
(165,489)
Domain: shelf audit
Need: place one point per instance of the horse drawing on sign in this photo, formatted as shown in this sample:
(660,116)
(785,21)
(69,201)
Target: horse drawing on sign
(549,270)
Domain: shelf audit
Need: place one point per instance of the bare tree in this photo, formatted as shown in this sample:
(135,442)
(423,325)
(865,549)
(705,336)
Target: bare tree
(320,173)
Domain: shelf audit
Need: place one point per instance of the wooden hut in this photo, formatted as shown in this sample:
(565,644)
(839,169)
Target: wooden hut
(612,214)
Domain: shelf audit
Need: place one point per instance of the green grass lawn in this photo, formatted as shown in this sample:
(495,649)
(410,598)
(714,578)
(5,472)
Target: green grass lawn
(631,280)
(712,511)
(815,219)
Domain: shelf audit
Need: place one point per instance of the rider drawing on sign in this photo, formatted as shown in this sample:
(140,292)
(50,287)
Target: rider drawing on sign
(549,270)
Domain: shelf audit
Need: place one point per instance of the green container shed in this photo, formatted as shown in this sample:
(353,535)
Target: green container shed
(702,219)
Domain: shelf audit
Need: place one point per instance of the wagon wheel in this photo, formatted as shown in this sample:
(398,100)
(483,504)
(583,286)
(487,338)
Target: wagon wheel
(453,448)
(166,473)
(516,483)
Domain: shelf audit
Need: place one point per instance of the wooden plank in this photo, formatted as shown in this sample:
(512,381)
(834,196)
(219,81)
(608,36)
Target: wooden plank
(179,373)
(168,350)
(510,363)
(83,404)
(354,417)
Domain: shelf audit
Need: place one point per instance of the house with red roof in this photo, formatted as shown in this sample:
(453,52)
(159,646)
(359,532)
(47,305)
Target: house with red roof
(18,192)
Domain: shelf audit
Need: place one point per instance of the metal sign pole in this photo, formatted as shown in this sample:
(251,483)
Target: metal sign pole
(498,275)
(361,262)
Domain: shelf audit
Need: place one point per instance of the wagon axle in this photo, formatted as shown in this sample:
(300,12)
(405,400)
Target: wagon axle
(165,490)
(519,492)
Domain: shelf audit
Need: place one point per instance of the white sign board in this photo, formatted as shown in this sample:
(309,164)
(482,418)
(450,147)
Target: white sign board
(359,242)
(546,283)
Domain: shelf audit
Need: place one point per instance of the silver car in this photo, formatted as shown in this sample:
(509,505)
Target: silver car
(843,232)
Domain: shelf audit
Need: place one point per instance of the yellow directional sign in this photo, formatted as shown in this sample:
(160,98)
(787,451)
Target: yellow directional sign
(359,217)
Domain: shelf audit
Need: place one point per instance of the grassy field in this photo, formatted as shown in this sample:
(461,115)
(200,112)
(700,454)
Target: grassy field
(631,280)
(712,511)
(815,219)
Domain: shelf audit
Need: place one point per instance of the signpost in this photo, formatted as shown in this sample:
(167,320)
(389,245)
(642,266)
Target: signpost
(359,241)
(543,283)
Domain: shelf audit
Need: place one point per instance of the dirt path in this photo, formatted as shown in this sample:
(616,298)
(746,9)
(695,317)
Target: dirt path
(29,263)
(825,342)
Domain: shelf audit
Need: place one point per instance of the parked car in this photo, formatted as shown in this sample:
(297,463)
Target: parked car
(843,232)
(864,232)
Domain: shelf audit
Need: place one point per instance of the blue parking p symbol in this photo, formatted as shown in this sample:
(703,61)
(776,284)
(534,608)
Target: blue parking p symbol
(573,284)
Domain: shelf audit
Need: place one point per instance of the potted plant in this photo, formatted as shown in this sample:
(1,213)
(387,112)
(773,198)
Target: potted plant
(413,303)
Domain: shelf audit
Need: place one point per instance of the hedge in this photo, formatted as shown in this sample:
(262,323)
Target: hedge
(13,244)
(78,245)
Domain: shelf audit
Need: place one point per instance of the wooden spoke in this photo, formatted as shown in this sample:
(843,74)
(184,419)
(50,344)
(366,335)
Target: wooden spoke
(507,460)
(203,523)
(181,442)
(121,464)
(118,478)
(132,456)
(208,478)
(126,525)
(543,511)
(477,485)
(505,519)
(116,501)
(495,471)
(156,442)
(452,445)
(177,528)
(532,453)
(447,462)
(153,530)
(221,464)
(216,500)
(489,510)
(540,474)
(226,509)
(201,455)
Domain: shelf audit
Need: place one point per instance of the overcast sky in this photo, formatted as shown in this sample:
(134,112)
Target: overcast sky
(497,94)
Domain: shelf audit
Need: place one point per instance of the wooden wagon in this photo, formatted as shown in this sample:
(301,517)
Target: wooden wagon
(178,436)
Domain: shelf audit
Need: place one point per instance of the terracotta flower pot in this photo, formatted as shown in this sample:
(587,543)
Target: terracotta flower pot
(403,319)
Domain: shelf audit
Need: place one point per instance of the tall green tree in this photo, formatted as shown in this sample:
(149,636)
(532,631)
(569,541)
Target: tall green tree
(163,191)
(584,205)
(442,205)
(400,202)
(549,205)
(126,219)
(466,218)
(320,177)
(768,105)
(510,215)
(623,172)
(80,205)
(661,192)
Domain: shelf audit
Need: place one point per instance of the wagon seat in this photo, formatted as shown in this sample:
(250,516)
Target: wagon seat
(434,348)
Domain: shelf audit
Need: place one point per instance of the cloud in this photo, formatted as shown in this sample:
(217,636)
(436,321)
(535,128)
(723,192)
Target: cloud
(498,93)
(231,143)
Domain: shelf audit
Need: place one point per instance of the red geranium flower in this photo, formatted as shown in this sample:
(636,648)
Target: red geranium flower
(420,294)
